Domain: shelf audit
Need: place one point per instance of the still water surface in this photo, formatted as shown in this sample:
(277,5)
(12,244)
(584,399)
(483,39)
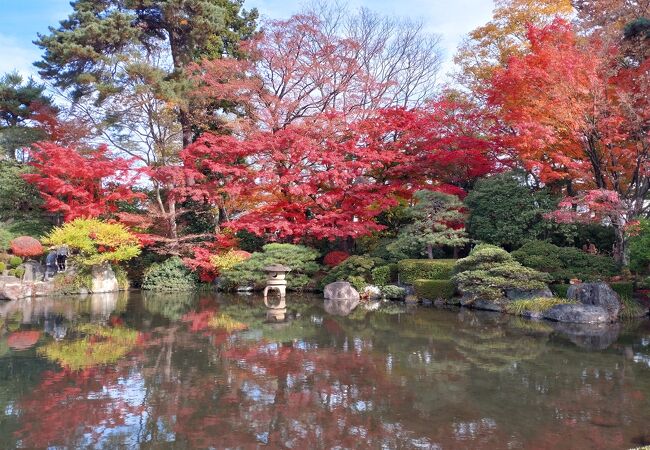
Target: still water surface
(160,371)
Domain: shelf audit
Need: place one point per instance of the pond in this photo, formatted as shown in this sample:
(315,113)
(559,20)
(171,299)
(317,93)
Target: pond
(208,371)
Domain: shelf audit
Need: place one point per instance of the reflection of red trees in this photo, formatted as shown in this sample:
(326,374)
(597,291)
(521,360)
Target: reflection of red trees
(66,405)
(284,395)
(22,340)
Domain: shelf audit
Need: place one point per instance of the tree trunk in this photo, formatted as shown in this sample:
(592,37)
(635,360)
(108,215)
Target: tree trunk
(430,251)
(621,250)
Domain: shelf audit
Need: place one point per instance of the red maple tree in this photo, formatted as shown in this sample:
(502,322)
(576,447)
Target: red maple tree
(81,184)
(580,115)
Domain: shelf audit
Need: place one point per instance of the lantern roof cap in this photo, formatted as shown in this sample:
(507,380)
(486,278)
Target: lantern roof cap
(277,268)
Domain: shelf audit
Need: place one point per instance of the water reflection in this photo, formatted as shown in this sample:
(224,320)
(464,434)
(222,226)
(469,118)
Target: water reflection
(200,371)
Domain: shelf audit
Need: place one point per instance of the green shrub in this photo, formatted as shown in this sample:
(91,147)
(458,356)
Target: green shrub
(15,261)
(565,263)
(3,267)
(5,237)
(73,283)
(393,292)
(122,277)
(434,289)
(539,305)
(384,275)
(95,242)
(489,271)
(356,269)
(170,275)
(425,269)
(301,260)
(19,272)
(560,290)
(631,309)
(640,247)
(624,289)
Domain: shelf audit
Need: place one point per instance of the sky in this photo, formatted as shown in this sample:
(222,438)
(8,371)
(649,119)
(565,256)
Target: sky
(21,20)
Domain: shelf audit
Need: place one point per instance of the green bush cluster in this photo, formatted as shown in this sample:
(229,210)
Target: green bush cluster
(73,283)
(624,289)
(301,260)
(560,290)
(357,270)
(393,292)
(170,275)
(15,261)
(434,289)
(565,263)
(384,275)
(489,271)
(425,269)
(3,267)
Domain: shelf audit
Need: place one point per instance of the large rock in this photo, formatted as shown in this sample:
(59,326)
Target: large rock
(103,279)
(577,314)
(484,305)
(519,294)
(11,288)
(341,290)
(596,294)
(34,271)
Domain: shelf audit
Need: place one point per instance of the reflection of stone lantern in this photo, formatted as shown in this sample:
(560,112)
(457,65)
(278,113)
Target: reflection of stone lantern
(276,279)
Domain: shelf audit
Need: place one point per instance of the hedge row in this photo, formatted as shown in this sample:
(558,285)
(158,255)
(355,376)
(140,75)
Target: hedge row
(384,275)
(425,269)
(434,289)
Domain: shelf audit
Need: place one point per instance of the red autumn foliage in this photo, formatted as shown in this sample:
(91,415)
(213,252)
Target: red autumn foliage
(26,247)
(335,257)
(81,184)
(580,115)
(201,261)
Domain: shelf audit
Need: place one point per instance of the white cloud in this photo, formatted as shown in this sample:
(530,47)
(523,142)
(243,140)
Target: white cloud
(15,56)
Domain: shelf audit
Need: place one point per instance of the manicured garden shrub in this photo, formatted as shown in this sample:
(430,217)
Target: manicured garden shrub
(15,261)
(640,247)
(565,263)
(425,269)
(170,275)
(624,289)
(560,289)
(489,271)
(393,292)
(5,237)
(26,247)
(356,269)
(301,260)
(3,267)
(95,242)
(434,289)
(335,257)
(384,275)
(228,260)
(19,272)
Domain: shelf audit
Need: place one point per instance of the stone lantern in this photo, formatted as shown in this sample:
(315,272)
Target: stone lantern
(276,279)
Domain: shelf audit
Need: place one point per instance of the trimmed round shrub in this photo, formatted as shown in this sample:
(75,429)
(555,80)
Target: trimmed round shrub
(15,261)
(489,271)
(95,242)
(434,289)
(170,275)
(565,263)
(301,260)
(229,259)
(26,247)
(425,269)
(19,272)
(384,275)
(356,270)
(393,292)
(3,266)
(335,257)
